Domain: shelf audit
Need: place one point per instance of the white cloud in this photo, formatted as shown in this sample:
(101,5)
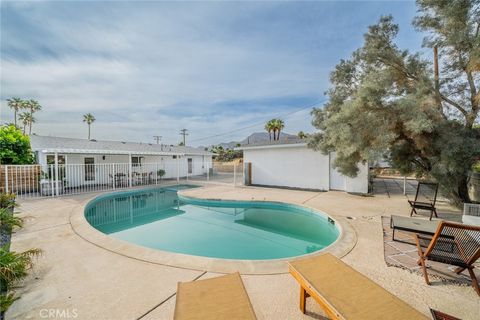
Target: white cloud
(153,68)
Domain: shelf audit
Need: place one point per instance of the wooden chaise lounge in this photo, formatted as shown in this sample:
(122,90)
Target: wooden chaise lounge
(344,293)
(222,297)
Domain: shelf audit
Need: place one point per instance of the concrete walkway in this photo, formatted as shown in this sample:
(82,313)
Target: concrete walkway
(78,278)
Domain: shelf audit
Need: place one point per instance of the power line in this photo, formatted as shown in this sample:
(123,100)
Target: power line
(258,123)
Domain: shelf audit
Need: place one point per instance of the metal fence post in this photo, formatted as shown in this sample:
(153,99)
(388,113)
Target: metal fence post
(178,169)
(130,170)
(114,176)
(56,174)
(6,178)
(234,175)
(208,171)
(404,185)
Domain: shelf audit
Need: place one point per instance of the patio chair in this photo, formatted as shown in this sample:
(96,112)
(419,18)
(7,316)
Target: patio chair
(344,293)
(454,244)
(222,297)
(425,198)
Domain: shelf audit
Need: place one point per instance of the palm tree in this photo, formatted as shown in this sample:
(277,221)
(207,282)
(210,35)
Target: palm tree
(15,104)
(33,106)
(278,125)
(89,119)
(27,119)
(269,129)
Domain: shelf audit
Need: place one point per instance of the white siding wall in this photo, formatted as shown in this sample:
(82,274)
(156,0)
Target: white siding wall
(300,167)
(297,167)
(75,171)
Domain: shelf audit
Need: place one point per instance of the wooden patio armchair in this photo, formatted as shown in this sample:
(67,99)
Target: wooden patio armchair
(454,244)
(425,198)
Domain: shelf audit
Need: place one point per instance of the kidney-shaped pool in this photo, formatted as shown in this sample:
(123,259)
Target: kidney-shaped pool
(247,230)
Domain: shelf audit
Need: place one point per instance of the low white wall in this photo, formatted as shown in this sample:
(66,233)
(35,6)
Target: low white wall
(301,167)
(296,167)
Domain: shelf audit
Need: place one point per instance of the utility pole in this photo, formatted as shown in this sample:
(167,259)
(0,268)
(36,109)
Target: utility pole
(184,133)
(157,138)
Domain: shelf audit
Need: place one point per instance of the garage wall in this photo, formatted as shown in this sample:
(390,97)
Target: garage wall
(296,167)
(301,167)
(358,184)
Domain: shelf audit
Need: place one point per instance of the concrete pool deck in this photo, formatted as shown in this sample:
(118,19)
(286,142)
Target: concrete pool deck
(78,277)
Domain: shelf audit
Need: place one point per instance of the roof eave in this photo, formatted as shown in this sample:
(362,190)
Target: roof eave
(273,146)
(119,152)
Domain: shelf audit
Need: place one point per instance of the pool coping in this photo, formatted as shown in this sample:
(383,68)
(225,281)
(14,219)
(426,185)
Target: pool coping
(345,242)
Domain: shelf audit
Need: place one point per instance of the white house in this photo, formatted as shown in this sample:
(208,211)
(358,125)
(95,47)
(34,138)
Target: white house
(83,162)
(292,164)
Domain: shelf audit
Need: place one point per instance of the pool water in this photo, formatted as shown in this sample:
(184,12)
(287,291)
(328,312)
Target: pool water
(160,219)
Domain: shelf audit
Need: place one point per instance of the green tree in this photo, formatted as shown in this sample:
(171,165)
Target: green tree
(14,146)
(302,135)
(387,100)
(89,119)
(15,104)
(217,149)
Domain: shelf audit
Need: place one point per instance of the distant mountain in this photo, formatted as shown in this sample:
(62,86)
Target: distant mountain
(256,137)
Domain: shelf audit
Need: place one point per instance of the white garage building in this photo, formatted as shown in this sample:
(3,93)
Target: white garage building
(292,164)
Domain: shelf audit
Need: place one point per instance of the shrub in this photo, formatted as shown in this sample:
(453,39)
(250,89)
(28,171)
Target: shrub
(14,146)
(7,200)
(14,267)
(161,173)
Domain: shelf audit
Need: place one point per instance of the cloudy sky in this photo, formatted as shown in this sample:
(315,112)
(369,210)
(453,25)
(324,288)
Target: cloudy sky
(219,69)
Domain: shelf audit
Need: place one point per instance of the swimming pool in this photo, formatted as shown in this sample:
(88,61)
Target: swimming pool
(247,230)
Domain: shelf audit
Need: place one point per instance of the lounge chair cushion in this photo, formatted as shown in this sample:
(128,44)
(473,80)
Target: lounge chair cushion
(414,224)
(222,297)
(352,295)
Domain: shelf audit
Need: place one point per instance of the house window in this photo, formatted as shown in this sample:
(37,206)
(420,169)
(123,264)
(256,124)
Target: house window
(51,163)
(137,161)
(51,159)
